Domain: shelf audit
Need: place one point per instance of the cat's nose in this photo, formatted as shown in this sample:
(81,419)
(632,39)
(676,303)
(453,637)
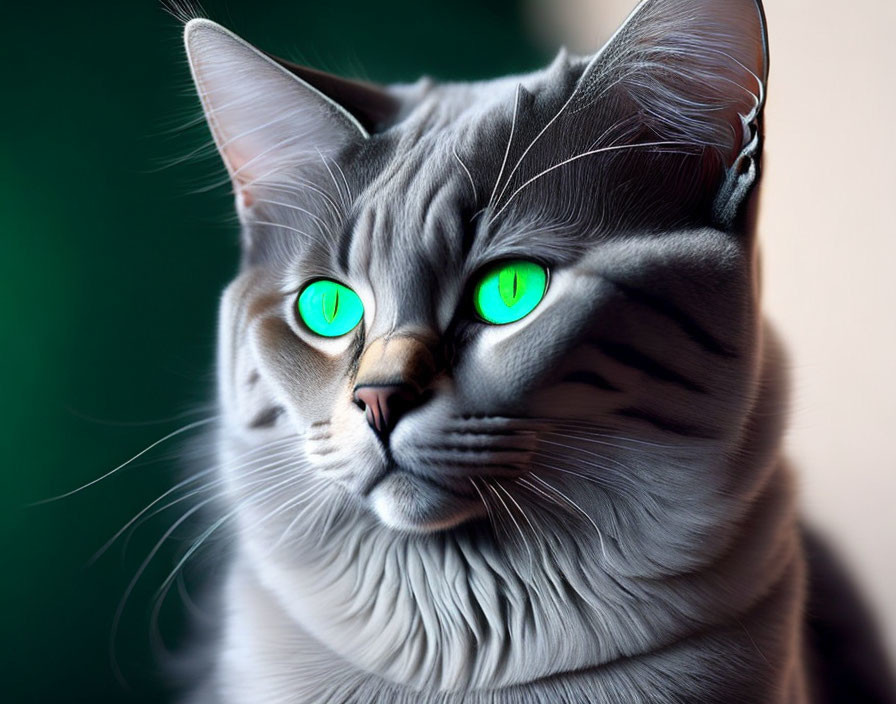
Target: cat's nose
(384,405)
(394,376)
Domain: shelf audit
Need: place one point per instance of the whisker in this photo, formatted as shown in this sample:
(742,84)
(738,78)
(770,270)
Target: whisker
(571,159)
(285,227)
(467,172)
(290,206)
(597,430)
(515,503)
(162,591)
(346,204)
(184,483)
(348,188)
(116,621)
(305,185)
(488,508)
(519,529)
(516,105)
(331,511)
(277,146)
(547,126)
(289,503)
(281,471)
(541,492)
(179,431)
(510,515)
(578,508)
(315,490)
(585,451)
(619,483)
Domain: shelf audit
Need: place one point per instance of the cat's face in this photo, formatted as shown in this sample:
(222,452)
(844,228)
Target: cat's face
(611,188)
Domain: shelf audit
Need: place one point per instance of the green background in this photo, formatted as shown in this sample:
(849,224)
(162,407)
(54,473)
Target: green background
(113,255)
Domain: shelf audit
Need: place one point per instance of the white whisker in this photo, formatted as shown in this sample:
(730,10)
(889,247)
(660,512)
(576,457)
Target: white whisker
(467,172)
(133,583)
(571,159)
(544,129)
(516,106)
(179,431)
(578,508)
(186,482)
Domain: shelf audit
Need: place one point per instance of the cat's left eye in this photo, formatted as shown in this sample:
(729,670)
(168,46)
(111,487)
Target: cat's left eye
(508,291)
(330,309)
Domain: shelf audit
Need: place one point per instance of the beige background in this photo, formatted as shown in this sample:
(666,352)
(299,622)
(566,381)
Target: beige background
(829,246)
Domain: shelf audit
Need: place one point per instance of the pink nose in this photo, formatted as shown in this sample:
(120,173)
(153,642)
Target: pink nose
(385,404)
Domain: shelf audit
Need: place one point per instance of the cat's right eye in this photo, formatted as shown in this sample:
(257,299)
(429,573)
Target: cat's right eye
(329,309)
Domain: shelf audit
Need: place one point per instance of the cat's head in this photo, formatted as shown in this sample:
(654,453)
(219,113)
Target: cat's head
(533,296)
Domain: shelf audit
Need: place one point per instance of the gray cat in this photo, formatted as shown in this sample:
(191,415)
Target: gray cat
(501,421)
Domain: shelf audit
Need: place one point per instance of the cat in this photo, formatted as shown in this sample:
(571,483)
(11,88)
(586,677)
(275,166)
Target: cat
(500,417)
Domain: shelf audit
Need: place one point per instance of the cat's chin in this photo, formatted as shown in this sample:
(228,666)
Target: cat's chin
(409,503)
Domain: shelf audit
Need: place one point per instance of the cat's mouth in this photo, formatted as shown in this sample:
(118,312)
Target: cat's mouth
(407,500)
(393,467)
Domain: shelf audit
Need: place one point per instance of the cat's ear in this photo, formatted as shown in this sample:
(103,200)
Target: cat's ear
(269,117)
(693,72)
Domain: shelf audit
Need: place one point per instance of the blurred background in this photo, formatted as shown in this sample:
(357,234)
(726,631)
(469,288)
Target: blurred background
(115,251)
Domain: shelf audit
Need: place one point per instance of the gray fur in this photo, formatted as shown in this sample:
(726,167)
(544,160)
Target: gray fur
(591,506)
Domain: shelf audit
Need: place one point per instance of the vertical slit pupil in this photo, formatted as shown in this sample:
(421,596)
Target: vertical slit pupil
(330,304)
(509,285)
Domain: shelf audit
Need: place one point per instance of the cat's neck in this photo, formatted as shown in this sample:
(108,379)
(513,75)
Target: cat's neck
(383,616)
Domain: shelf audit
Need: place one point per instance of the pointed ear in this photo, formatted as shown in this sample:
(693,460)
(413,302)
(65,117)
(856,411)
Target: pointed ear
(266,121)
(694,72)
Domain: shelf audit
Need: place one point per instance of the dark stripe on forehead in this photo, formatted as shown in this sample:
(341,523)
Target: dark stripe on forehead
(344,247)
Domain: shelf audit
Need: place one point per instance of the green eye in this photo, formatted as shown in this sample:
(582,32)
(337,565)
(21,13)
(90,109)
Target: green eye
(509,291)
(329,308)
